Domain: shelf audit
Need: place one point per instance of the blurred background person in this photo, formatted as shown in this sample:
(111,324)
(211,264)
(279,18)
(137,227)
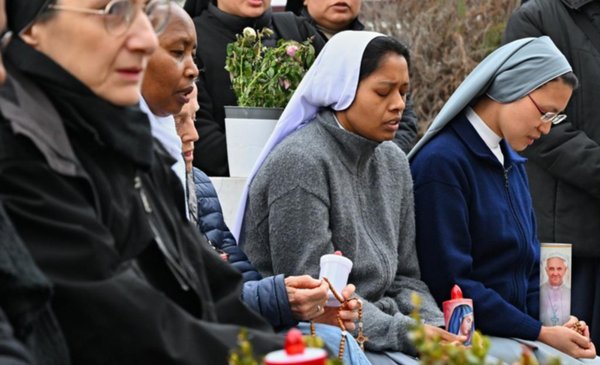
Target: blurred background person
(329,16)
(217,23)
(564,166)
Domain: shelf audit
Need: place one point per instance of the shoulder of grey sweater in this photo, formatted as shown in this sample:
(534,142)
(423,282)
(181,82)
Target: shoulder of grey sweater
(295,164)
(396,159)
(393,153)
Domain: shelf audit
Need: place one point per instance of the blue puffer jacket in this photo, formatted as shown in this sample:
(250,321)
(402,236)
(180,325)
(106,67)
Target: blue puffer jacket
(266,296)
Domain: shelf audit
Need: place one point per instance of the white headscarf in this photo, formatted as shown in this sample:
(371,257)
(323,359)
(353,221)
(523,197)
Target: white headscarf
(507,74)
(163,129)
(331,82)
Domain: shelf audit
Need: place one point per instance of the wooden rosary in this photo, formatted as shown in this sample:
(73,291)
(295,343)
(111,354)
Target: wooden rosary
(361,339)
(577,327)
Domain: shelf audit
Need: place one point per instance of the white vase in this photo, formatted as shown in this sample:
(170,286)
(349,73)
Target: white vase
(247,131)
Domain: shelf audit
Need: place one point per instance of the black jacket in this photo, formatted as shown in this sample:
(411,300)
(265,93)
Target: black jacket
(12,352)
(215,30)
(94,200)
(564,166)
(29,333)
(355,25)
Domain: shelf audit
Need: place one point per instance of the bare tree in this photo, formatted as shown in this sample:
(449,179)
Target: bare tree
(447,40)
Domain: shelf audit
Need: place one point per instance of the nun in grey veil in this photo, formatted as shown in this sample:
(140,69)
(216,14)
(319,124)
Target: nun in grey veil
(473,212)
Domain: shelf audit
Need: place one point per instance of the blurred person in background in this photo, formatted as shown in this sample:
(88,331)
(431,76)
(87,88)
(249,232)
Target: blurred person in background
(217,23)
(329,16)
(564,166)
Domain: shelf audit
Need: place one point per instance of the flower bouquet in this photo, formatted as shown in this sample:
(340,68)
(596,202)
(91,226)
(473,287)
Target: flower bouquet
(263,80)
(266,76)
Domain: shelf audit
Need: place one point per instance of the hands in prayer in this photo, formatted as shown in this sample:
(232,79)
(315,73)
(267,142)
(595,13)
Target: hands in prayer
(572,338)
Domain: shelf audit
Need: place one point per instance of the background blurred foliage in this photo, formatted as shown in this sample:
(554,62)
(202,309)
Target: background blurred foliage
(447,39)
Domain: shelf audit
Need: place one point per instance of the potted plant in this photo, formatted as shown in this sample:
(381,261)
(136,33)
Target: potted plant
(263,80)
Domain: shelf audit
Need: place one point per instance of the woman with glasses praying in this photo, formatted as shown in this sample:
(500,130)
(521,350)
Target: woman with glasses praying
(94,199)
(475,223)
(563,168)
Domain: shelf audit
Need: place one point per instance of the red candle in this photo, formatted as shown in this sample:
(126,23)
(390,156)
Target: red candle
(458,314)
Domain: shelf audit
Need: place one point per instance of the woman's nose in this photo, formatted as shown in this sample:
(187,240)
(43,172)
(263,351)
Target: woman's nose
(191,70)
(544,128)
(141,34)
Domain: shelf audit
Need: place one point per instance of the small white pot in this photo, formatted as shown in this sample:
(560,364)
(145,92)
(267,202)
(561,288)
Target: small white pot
(247,131)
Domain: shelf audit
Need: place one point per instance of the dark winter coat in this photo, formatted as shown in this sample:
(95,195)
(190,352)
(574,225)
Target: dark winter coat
(215,30)
(29,333)
(355,25)
(268,296)
(564,166)
(94,201)
(12,352)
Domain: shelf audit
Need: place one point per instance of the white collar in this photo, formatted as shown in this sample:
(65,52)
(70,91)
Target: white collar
(163,129)
(490,138)
(338,121)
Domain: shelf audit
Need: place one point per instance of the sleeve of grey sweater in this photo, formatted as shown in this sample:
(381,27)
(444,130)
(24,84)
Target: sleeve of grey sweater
(300,213)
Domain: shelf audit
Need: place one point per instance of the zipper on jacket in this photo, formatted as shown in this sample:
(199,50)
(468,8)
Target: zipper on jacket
(520,227)
(506,172)
(171,261)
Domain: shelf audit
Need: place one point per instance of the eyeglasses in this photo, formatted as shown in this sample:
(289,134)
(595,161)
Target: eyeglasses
(119,14)
(548,117)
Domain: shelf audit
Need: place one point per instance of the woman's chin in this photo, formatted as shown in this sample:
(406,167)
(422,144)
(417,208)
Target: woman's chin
(124,98)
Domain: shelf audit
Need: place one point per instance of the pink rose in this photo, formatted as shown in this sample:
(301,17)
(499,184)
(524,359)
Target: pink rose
(285,83)
(291,50)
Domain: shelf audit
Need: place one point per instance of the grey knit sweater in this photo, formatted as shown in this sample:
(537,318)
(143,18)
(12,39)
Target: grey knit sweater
(325,189)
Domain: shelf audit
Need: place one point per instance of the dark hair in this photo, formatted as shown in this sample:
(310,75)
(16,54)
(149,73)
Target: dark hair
(570,79)
(294,6)
(195,7)
(376,50)
(21,14)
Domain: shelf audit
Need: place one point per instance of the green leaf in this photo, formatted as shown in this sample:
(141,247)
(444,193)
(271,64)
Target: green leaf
(256,70)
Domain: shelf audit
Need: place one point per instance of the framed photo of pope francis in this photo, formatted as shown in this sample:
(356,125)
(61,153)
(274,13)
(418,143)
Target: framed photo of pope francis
(555,283)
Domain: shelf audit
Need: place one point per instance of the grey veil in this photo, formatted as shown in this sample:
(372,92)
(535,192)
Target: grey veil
(508,74)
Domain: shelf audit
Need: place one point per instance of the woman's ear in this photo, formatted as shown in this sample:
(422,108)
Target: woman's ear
(31,35)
